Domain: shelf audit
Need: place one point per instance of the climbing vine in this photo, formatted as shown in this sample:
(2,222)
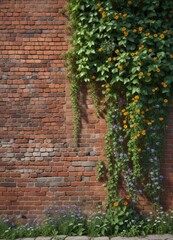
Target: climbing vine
(127,47)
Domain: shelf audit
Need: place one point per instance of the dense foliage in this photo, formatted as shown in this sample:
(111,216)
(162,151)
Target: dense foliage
(121,220)
(127,47)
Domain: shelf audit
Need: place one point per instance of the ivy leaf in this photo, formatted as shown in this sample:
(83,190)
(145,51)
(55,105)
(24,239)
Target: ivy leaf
(171,67)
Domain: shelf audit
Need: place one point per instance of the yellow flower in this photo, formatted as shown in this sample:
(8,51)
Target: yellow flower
(103,14)
(143,132)
(164,84)
(93,77)
(158,69)
(98,4)
(107,85)
(165,100)
(138,110)
(123,29)
(137,53)
(161,118)
(136,97)
(108,89)
(100,10)
(114,58)
(147,34)
(139,149)
(124,121)
(171,56)
(125,126)
(131,116)
(123,110)
(129,2)
(138,135)
(140,29)
(117,51)
(154,58)
(162,35)
(150,50)
(100,50)
(141,47)
(134,124)
(132,54)
(154,89)
(148,74)
(116,204)
(120,67)
(125,15)
(134,30)
(125,113)
(141,74)
(155,35)
(109,59)
(149,123)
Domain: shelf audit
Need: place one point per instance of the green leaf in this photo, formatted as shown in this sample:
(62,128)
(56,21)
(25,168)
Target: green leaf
(171,67)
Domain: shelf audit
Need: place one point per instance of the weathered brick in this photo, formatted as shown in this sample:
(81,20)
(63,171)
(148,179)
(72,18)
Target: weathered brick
(40,164)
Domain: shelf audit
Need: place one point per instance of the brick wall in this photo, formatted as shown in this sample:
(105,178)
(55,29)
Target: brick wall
(39,165)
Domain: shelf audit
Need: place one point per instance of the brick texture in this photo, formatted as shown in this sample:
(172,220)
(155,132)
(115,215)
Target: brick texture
(40,167)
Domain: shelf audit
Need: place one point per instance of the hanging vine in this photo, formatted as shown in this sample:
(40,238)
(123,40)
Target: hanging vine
(127,47)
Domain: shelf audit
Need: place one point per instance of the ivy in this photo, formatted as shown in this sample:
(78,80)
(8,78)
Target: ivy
(127,47)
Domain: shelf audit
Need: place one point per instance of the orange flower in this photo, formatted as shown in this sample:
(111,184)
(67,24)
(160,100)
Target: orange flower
(161,118)
(125,203)
(103,14)
(100,50)
(123,29)
(125,113)
(143,132)
(109,59)
(116,204)
(162,35)
(158,69)
(165,100)
(141,74)
(127,197)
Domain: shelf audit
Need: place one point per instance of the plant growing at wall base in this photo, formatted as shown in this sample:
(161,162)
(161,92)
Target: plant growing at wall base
(126,46)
